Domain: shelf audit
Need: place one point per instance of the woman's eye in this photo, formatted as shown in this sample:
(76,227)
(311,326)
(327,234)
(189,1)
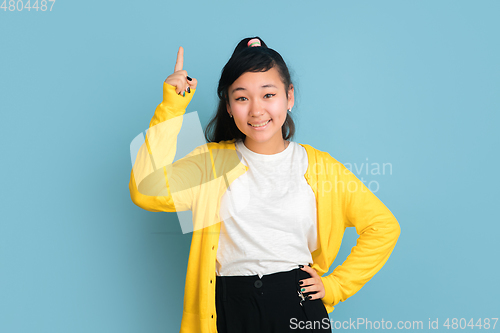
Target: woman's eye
(240,98)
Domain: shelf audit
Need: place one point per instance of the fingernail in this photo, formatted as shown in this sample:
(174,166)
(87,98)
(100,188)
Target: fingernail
(189,90)
(309,297)
(301,266)
(303,289)
(190,79)
(183,94)
(300,282)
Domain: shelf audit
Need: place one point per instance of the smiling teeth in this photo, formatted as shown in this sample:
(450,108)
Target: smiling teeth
(263,124)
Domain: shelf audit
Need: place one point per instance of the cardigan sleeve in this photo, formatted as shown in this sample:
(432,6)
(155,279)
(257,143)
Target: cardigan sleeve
(156,184)
(378,232)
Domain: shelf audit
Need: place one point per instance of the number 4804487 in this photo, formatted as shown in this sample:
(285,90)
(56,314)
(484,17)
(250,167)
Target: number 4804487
(13,5)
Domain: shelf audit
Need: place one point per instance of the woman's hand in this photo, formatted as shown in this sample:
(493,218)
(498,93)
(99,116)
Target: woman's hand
(179,78)
(312,284)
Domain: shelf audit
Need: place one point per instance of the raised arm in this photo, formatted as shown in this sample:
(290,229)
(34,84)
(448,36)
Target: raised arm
(149,185)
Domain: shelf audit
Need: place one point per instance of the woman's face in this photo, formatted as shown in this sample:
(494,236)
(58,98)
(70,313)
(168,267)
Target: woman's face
(257,98)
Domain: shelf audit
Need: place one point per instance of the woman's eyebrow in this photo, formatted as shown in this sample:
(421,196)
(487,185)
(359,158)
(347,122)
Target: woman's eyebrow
(264,86)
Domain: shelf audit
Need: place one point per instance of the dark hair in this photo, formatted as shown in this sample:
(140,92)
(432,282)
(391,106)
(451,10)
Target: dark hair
(246,59)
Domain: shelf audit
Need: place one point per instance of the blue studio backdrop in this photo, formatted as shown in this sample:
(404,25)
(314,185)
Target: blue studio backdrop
(405,93)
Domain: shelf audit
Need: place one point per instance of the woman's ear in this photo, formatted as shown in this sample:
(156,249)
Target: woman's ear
(291,98)
(228,108)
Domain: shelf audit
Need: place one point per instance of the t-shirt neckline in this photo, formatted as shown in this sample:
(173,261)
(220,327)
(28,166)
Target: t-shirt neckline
(266,157)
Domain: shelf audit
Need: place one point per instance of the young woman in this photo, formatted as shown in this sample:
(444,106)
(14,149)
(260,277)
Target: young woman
(268,213)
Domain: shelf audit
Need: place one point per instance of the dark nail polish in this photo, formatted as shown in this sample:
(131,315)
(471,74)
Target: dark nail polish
(189,90)
(301,266)
(300,282)
(190,79)
(309,297)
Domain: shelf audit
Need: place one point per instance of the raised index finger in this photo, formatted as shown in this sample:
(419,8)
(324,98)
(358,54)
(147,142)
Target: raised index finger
(180,59)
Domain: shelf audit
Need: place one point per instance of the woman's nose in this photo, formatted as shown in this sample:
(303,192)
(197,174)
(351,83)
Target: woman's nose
(256,109)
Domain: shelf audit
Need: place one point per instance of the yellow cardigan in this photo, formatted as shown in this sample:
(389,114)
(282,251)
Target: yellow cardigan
(342,201)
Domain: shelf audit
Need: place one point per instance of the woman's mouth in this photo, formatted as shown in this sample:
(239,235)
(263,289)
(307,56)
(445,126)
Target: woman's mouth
(260,125)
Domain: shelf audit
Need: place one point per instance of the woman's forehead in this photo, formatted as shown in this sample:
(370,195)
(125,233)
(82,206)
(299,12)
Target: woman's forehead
(257,80)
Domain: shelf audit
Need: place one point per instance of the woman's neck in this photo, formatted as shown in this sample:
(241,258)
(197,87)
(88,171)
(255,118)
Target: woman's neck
(269,148)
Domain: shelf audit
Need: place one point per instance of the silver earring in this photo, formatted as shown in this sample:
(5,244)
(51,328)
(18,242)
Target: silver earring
(230,116)
(290,110)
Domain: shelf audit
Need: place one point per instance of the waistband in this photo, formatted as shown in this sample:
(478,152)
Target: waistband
(269,282)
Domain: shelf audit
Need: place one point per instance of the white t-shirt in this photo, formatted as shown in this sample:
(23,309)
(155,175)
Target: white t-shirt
(268,215)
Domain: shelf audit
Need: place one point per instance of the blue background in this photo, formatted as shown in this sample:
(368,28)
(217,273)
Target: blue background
(411,83)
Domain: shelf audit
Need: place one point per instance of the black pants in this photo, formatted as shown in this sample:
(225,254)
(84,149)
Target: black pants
(247,304)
